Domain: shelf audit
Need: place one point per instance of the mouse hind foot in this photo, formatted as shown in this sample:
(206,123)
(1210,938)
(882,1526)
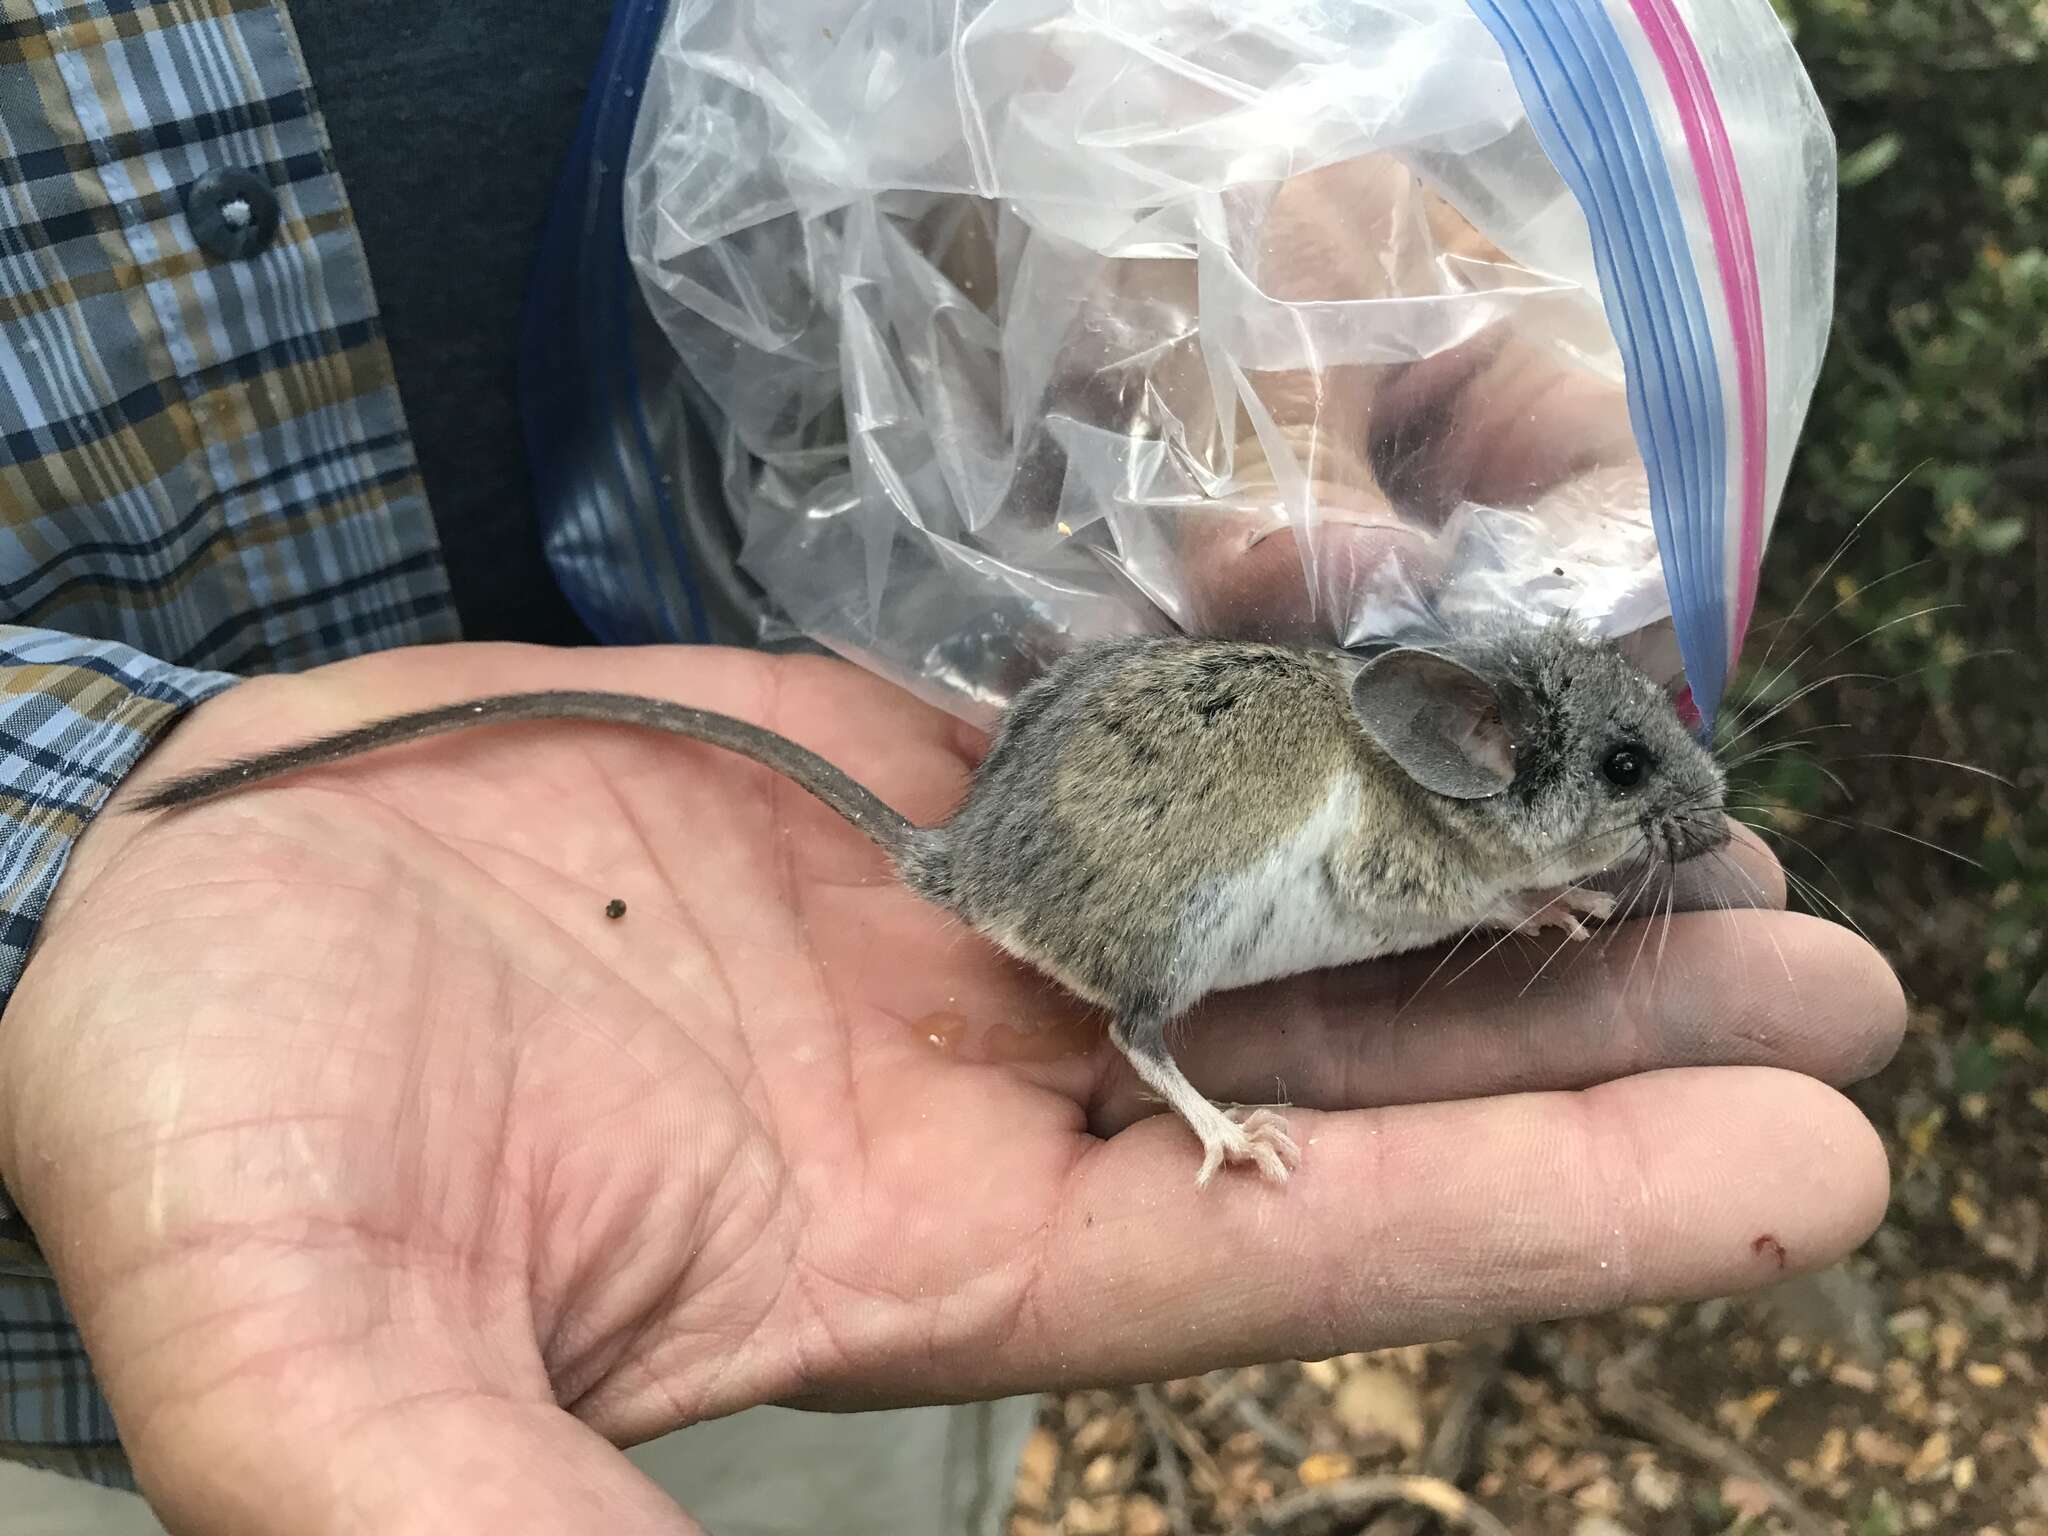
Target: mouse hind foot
(1258,1137)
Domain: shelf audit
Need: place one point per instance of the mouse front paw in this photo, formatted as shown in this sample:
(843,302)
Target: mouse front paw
(1577,904)
(1562,910)
(1256,1136)
(1597,905)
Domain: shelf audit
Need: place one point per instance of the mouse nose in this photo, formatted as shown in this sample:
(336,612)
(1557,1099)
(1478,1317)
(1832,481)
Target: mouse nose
(1692,833)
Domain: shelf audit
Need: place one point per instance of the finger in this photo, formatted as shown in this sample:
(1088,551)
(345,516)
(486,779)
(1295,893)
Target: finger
(1246,578)
(1769,989)
(1515,422)
(445,1465)
(1425,1222)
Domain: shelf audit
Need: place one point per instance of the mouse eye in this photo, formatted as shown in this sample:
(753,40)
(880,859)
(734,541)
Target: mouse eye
(1626,766)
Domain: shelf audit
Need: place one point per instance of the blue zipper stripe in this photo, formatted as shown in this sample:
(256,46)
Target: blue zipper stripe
(1695,363)
(1593,120)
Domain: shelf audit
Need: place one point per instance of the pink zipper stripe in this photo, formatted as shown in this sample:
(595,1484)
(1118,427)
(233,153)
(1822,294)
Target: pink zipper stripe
(1713,161)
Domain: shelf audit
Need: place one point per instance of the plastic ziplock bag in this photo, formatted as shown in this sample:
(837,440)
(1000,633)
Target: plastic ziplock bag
(1020,322)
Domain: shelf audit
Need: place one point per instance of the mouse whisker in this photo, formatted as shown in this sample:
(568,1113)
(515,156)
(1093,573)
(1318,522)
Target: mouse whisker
(1636,959)
(1831,776)
(1840,650)
(1643,860)
(1561,946)
(1841,549)
(1794,697)
(1663,936)
(1598,834)
(1451,954)
(1636,886)
(1728,911)
(1763,690)
(1725,740)
(1915,757)
(1756,754)
(1853,822)
(1530,867)
(1796,751)
(1757,692)
(1813,893)
(1809,890)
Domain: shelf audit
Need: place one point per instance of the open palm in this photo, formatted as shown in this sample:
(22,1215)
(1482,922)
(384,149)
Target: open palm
(393,1181)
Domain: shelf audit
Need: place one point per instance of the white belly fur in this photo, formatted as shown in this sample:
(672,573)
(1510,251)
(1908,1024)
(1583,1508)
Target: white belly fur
(1310,928)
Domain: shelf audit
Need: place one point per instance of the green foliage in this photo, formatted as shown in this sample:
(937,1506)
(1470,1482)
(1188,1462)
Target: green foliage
(1978,1069)
(1935,391)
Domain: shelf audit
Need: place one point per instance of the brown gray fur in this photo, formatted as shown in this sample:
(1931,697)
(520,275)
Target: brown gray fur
(1161,818)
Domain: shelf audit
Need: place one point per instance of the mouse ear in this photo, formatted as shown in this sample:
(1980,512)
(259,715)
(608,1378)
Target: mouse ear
(1442,722)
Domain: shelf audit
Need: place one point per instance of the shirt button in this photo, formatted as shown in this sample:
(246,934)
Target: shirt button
(233,213)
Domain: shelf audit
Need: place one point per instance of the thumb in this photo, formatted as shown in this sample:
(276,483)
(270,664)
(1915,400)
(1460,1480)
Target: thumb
(259,1458)
(307,1413)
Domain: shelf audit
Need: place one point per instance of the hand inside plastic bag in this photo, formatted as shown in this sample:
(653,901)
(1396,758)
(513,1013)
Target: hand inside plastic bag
(1389,454)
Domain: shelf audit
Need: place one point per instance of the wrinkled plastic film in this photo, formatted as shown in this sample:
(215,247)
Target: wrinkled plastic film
(1026,323)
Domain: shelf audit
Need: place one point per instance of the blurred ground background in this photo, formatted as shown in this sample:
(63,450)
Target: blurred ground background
(1907,1391)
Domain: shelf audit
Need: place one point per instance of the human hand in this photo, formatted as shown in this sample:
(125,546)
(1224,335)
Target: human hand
(1490,408)
(392,1184)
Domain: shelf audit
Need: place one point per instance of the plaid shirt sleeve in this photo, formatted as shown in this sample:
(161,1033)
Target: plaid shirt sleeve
(204,472)
(74,716)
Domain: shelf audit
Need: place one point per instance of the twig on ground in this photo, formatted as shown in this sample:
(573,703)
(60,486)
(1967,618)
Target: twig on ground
(1617,1396)
(1173,1482)
(1450,1452)
(1230,1386)
(1356,1497)
(1284,1442)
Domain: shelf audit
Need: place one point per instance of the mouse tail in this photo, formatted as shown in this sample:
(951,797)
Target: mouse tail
(917,852)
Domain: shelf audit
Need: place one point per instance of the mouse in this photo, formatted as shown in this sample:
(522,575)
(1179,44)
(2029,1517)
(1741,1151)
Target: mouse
(1163,817)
